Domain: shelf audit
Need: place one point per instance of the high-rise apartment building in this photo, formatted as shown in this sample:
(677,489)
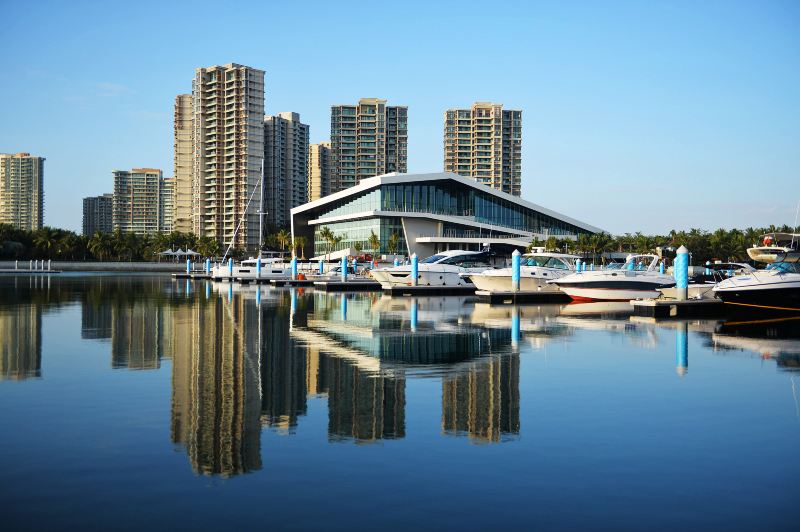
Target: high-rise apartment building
(184,165)
(22,190)
(485,143)
(285,167)
(367,139)
(98,214)
(166,205)
(228,145)
(319,184)
(138,201)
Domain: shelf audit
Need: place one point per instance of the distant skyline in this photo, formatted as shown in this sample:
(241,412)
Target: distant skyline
(637,116)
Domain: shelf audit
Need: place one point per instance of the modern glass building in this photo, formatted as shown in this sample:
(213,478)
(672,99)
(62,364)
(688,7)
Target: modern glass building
(427,213)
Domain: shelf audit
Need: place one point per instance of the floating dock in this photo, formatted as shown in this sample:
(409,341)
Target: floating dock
(192,275)
(367,285)
(291,282)
(429,290)
(27,271)
(521,297)
(672,308)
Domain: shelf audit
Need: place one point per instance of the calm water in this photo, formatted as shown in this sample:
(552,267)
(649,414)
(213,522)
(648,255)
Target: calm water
(141,402)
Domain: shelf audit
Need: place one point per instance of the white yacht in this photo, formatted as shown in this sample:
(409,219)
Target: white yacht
(535,270)
(272,267)
(443,269)
(776,288)
(638,278)
(772,245)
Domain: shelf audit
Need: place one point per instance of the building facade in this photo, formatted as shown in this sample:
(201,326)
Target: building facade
(429,213)
(22,190)
(484,142)
(319,176)
(228,145)
(367,139)
(166,205)
(98,214)
(138,201)
(285,167)
(183,164)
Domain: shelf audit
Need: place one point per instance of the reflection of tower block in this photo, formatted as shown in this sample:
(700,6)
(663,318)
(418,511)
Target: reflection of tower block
(20,342)
(484,402)
(364,407)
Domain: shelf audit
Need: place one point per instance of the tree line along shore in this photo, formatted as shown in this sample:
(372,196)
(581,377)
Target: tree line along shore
(61,244)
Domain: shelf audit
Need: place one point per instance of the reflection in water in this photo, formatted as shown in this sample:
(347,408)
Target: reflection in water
(483,402)
(20,341)
(216,389)
(775,338)
(682,348)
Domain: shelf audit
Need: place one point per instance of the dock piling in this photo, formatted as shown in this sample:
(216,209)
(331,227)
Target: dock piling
(515,270)
(682,273)
(414,269)
(344,269)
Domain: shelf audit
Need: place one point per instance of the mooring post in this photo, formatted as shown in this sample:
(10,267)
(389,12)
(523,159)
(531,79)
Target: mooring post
(294,268)
(414,270)
(230,268)
(661,268)
(49,264)
(396,262)
(578,265)
(515,270)
(258,268)
(208,265)
(321,267)
(188,266)
(681,273)
(344,269)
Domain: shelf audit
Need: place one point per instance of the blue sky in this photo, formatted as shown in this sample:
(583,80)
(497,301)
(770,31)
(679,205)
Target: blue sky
(637,116)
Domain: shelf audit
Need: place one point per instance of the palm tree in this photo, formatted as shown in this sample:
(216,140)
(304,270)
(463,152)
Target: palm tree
(300,242)
(45,239)
(358,246)
(284,238)
(374,242)
(394,240)
(327,235)
(100,245)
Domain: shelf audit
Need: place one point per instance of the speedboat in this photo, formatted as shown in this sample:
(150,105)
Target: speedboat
(773,245)
(272,267)
(638,278)
(442,269)
(535,270)
(701,285)
(775,288)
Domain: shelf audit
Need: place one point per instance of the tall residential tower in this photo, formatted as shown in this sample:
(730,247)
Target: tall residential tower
(367,139)
(138,203)
(184,165)
(98,214)
(22,190)
(485,143)
(228,145)
(285,167)
(319,173)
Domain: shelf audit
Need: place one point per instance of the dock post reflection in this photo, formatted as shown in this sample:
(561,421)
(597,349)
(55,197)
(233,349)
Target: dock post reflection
(515,327)
(682,348)
(414,314)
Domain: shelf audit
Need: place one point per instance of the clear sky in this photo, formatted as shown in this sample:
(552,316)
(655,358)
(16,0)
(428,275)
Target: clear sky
(637,116)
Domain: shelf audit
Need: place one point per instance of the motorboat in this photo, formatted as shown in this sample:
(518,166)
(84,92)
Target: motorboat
(775,288)
(637,278)
(773,245)
(535,270)
(701,285)
(442,269)
(272,267)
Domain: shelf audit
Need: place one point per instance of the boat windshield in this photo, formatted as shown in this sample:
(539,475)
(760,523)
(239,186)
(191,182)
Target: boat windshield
(557,264)
(784,267)
(535,261)
(432,259)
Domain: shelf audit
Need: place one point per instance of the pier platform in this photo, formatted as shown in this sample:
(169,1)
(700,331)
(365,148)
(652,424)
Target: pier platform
(672,308)
(193,275)
(27,271)
(290,282)
(521,297)
(429,290)
(348,286)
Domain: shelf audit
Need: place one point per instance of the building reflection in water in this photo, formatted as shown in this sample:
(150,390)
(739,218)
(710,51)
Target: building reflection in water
(216,390)
(20,341)
(483,402)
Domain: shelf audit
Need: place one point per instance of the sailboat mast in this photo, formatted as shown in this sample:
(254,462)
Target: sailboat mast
(261,214)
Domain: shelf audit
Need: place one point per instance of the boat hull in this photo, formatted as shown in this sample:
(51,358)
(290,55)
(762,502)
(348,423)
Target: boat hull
(579,293)
(780,298)
(502,283)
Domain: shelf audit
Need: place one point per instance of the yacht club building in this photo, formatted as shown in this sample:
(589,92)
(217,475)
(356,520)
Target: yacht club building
(428,213)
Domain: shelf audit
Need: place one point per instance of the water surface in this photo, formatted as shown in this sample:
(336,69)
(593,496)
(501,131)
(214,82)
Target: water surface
(141,402)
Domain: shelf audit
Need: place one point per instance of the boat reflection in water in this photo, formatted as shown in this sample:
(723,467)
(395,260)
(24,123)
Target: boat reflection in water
(776,339)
